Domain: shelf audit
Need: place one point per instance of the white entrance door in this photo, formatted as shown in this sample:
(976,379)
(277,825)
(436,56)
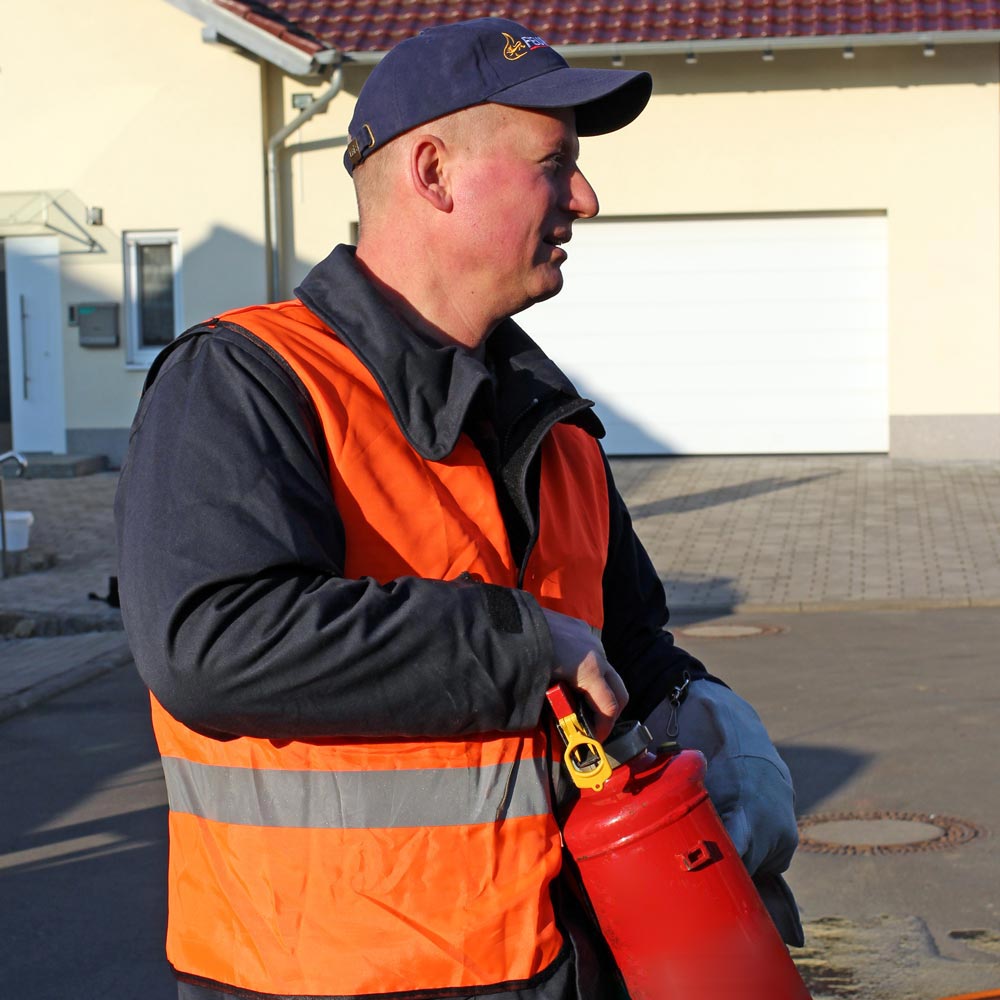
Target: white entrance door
(725,335)
(34,325)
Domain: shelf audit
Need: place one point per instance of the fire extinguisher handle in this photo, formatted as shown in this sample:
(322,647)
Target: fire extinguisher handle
(558,698)
(585,759)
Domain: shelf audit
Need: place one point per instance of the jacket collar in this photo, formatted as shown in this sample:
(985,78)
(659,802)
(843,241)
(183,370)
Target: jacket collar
(428,386)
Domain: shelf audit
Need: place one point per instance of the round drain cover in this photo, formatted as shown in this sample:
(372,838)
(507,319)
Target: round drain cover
(727,631)
(882,833)
(877,832)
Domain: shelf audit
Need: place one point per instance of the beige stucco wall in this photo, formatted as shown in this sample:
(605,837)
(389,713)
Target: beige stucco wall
(317,195)
(892,131)
(122,105)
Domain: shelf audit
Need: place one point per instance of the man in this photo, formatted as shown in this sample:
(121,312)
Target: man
(361,532)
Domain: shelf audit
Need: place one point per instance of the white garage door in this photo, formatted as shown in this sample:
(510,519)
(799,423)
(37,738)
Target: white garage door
(728,335)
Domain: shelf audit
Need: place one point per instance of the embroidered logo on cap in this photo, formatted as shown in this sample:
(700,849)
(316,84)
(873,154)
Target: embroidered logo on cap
(514,48)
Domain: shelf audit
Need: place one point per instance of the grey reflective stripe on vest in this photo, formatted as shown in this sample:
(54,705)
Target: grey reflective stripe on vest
(355,800)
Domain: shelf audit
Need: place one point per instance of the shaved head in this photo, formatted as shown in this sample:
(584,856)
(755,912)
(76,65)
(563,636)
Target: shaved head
(373,180)
(376,178)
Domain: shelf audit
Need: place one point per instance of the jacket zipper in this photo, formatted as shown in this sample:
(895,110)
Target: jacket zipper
(541,430)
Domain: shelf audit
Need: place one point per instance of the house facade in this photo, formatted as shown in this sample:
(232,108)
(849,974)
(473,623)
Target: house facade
(130,207)
(798,248)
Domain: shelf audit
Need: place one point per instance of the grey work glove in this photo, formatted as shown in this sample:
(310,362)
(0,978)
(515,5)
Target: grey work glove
(751,789)
(747,781)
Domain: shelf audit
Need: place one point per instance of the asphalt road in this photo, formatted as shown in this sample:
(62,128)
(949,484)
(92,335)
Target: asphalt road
(874,711)
(885,712)
(83,848)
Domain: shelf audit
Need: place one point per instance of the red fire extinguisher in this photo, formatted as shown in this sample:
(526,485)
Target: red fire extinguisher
(673,899)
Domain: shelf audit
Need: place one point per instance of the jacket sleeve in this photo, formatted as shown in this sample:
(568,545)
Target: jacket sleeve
(230,555)
(635,638)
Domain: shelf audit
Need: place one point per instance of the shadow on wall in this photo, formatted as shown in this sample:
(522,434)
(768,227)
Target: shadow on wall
(291,166)
(624,436)
(226,270)
(745,72)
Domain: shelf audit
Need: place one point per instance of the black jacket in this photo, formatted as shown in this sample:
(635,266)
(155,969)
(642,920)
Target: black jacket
(230,545)
(231,549)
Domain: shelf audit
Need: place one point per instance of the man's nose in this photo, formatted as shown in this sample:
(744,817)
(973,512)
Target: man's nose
(582,200)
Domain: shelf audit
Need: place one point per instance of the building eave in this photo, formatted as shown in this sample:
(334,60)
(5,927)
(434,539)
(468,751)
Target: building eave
(222,25)
(610,50)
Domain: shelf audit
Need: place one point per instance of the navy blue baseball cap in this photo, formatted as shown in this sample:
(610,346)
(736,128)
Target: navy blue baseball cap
(488,60)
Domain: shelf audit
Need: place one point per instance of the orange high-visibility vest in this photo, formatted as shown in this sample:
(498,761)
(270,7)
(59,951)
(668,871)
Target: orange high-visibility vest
(337,867)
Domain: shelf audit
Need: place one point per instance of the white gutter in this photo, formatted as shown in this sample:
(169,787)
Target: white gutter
(913,38)
(275,224)
(224,25)
(611,49)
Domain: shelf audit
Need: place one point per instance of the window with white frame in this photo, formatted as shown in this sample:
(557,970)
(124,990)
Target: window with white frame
(152,293)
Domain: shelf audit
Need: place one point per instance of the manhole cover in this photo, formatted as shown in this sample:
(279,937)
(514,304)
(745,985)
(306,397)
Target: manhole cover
(882,833)
(726,631)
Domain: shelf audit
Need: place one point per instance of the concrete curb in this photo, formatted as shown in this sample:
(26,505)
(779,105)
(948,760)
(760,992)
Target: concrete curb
(55,684)
(822,607)
(19,624)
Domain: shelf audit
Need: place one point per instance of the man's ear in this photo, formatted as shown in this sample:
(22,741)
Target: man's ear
(428,171)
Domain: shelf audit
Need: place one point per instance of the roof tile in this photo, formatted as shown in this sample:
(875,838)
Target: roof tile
(379,24)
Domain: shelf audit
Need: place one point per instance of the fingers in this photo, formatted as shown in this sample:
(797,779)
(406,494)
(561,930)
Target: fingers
(618,689)
(579,660)
(604,691)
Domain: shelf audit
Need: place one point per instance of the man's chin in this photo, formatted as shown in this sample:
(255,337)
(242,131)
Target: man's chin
(546,291)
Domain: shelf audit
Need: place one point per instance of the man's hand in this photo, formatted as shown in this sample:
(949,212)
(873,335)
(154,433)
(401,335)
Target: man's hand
(747,781)
(579,660)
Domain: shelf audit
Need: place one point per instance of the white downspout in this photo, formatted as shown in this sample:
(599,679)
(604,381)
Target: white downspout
(273,201)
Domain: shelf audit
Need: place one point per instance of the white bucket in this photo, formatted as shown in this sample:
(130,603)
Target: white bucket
(18,524)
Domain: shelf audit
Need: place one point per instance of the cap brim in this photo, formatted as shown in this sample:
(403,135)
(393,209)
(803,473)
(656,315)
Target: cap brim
(605,100)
